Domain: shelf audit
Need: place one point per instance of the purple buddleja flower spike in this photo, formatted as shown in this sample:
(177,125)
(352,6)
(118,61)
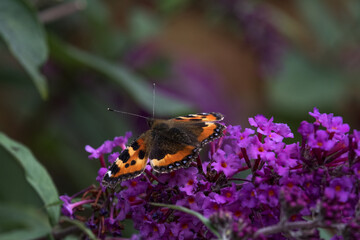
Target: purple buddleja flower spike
(105,148)
(225,163)
(68,208)
(251,185)
(357,142)
(339,188)
(122,141)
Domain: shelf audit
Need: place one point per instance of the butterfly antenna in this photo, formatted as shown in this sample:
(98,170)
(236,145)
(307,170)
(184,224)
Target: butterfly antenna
(153,100)
(132,114)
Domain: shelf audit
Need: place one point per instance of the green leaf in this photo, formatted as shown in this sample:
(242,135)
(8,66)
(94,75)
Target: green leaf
(324,25)
(35,174)
(25,38)
(19,222)
(303,84)
(326,234)
(143,25)
(203,219)
(135,86)
(171,6)
(81,226)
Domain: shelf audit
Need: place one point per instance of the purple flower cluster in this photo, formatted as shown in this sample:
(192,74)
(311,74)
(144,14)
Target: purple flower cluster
(259,31)
(252,185)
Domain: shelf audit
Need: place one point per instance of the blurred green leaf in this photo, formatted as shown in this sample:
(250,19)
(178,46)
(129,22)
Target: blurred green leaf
(25,38)
(286,24)
(108,41)
(97,13)
(323,23)
(132,84)
(80,225)
(129,228)
(304,84)
(14,175)
(353,6)
(35,174)
(22,223)
(143,25)
(203,219)
(326,234)
(170,6)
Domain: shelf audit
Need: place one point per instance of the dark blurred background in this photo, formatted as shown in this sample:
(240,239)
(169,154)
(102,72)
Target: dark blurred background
(240,58)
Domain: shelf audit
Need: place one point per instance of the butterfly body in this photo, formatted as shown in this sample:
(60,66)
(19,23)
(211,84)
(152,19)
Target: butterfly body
(169,144)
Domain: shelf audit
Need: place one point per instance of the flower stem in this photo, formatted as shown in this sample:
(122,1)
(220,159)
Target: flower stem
(149,173)
(199,165)
(246,157)
(102,161)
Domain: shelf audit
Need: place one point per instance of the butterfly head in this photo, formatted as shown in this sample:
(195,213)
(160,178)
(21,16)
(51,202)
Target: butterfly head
(150,122)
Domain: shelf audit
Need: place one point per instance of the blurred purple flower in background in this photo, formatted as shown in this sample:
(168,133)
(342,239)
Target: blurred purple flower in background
(260,33)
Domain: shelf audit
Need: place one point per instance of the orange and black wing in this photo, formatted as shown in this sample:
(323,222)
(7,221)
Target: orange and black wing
(203,127)
(200,117)
(178,146)
(130,163)
(166,156)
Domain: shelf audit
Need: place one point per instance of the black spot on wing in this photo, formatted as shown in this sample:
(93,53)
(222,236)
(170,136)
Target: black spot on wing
(124,156)
(133,162)
(135,145)
(114,169)
(127,165)
(141,154)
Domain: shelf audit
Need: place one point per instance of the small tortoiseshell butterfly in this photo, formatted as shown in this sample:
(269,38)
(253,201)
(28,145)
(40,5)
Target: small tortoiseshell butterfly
(169,144)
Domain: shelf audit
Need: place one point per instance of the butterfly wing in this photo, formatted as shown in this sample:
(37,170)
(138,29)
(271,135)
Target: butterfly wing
(203,125)
(200,117)
(130,163)
(167,156)
(181,139)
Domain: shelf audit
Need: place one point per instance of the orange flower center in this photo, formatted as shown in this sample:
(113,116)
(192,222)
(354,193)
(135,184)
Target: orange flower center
(271,193)
(238,213)
(184,226)
(133,183)
(191,200)
(131,199)
(261,149)
(228,194)
(190,182)
(223,164)
(320,144)
(338,188)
